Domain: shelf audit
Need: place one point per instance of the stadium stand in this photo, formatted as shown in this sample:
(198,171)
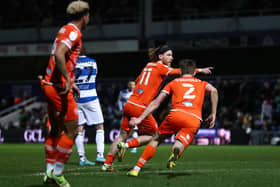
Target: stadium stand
(125,11)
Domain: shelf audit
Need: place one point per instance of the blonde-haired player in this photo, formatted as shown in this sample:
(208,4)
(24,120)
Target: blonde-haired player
(77,7)
(58,88)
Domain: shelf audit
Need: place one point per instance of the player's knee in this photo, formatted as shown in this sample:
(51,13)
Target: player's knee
(99,127)
(123,135)
(72,134)
(80,128)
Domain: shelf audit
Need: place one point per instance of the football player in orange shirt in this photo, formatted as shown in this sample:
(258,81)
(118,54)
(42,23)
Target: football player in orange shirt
(58,88)
(147,86)
(184,117)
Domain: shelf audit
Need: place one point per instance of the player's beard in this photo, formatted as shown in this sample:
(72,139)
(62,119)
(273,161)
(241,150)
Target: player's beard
(83,25)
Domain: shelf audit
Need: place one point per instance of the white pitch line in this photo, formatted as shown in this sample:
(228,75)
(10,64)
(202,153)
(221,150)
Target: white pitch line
(75,171)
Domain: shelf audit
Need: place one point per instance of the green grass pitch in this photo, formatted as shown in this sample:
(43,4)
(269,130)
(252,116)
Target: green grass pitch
(22,165)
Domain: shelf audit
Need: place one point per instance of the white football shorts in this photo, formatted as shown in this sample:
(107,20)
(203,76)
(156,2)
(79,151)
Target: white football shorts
(90,113)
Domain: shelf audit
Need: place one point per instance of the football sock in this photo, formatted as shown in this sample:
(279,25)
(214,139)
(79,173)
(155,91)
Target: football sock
(99,139)
(134,134)
(137,168)
(50,167)
(58,169)
(64,149)
(80,146)
(110,159)
(133,143)
(50,151)
(146,156)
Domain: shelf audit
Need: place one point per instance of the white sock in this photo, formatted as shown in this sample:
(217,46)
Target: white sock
(137,168)
(126,145)
(99,139)
(50,167)
(80,146)
(134,134)
(58,169)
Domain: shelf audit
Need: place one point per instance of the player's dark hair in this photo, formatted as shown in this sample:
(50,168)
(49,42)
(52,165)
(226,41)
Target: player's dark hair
(160,47)
(187,66)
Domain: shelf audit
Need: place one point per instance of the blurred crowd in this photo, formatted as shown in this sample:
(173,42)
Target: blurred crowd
(34,118)
(248,104)
(36,13)
(7,101)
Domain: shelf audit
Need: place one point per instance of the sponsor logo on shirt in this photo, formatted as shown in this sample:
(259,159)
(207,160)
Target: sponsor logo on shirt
(187,104)
(49,71)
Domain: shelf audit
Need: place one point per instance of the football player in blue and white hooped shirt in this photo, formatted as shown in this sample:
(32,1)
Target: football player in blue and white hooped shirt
(122,98)
(88,107)
(125,94)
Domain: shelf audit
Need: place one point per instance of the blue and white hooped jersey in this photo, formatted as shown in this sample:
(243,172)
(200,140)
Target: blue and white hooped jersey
(85,75)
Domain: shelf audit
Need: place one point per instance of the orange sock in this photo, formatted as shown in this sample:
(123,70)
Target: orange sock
(110,159)
(64,149)
(146,156)
(50,149)
(133,143)
(56,140)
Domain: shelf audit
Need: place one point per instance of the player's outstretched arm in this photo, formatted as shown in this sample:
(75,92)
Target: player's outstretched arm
(207,70)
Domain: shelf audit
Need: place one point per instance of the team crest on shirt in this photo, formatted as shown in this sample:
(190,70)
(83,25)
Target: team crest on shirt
(140,91)
(49,71)
(73,35)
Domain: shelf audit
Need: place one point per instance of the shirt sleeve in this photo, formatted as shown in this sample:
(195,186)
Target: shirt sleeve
(205,84)
(163,69)
(167,88)
(71,38)
(174,71)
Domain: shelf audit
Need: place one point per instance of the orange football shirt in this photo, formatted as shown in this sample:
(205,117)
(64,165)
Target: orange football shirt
(187,95)
(149,82)
(69,35)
